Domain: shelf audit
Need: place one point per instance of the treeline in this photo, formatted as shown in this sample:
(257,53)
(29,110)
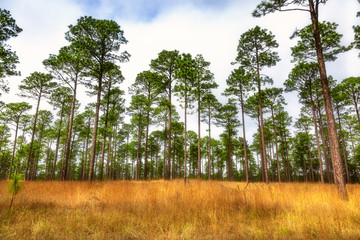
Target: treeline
(96,143)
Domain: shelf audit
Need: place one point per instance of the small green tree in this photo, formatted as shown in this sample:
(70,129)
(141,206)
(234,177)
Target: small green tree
(14,187)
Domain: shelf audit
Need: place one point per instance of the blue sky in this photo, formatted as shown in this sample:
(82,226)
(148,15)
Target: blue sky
(208,27)
(147,10)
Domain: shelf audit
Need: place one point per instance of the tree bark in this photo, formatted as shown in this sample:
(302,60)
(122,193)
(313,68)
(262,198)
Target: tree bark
(96,122)
(13,152)
(199,149)
(317,138)
(276,144)
(70,125)
(26,176)
(209,154)
(244,136)
(343,148)
(334,144)
(169,138)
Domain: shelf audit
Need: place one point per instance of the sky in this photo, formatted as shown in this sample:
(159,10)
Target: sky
(208,27)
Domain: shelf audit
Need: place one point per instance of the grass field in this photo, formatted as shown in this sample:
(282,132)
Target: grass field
(171,210)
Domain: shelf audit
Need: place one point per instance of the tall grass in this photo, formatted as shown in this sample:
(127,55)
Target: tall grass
(171,210)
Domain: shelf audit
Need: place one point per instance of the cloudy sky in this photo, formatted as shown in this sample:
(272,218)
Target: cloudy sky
(208,27)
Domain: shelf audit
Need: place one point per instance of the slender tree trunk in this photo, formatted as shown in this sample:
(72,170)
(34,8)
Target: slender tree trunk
(356,108)
(244,137)
(199,137)
(70,125)
(354,153)
(209,155)
(310,160)
(164,162)
(169,138)
(343,148)
(64,162)
(230,170)
(68,177)
(334,144)
(138,160)
(96,121)
(57,145)
(321,127)
(127,157)
(47,161)
(146,139)
(26,176)
(107,174)
(263,152)
(86,151)
(317,138)
(276,145)
(185,135)
(14,147)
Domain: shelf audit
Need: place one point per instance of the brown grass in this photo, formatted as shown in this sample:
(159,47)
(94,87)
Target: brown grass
(171,210)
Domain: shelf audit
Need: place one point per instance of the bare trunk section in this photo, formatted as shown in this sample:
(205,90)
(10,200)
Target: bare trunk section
(317,138)
(26,175)
(70,126)
(169,138)
(334,144)
(199,150)
(96,122)
(13,152)
(244,137)
(209,155)
(276,144)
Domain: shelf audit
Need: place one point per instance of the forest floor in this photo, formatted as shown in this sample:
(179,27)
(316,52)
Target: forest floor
(171,210)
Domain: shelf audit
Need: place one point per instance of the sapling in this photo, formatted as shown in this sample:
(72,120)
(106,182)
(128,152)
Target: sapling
(14,187)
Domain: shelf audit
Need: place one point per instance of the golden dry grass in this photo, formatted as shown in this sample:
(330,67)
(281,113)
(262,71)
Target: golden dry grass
(171,210)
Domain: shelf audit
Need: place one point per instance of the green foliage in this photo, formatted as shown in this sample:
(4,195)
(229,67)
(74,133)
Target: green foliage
(271,6)
(15,183)
(255,49)
(305,48)
(37,85)
(8,58)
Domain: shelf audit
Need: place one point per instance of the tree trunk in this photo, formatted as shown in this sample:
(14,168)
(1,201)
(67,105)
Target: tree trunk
(209,155)
(356,109)
(354,152)
(276,145)
(13,152)
(310,160)
(107,174)
(334,144)
(185,135)
(26,176)
(70,125)
(96,121)
(317,138)
(57,146)
(199,149)
(169,138)
(343,148)
(138,160)
(327,166)
(244,137)
(86,151)
(146,140)
(230,170)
